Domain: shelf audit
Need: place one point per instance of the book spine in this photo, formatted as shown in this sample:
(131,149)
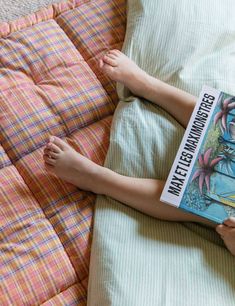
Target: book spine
(189,147)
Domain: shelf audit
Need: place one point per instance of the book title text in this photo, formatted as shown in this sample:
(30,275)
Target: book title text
(191,143)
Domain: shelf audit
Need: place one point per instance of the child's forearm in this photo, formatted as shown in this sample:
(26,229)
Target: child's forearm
(178,103)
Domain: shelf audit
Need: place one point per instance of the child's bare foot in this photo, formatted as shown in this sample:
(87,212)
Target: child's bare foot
(62,160)
(122,69)
(227,233)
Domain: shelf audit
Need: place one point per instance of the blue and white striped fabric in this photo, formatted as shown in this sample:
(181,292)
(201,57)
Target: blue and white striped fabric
(137,260)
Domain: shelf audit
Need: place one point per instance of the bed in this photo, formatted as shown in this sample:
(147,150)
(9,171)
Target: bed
(50,84)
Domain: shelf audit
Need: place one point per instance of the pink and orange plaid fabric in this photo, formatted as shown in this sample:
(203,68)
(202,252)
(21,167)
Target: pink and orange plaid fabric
(50,84)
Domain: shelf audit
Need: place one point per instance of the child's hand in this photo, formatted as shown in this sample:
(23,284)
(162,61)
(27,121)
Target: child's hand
(227,233)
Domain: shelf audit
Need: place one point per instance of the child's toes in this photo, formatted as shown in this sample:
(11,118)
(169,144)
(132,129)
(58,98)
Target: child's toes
(115,52)
(49,160)
(46,151)
(108,69)
(111,55)
(51,154)
(56,141)
(101,63)
(53,147)
(110,60)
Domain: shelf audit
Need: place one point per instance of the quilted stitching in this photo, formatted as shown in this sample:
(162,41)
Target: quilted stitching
(50,85)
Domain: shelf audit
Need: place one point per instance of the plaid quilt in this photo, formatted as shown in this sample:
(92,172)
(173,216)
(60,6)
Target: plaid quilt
(50,84)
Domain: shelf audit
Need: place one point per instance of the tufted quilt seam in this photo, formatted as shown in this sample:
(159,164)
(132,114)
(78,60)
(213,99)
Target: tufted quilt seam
(80,283)
(46,218)
(52,86)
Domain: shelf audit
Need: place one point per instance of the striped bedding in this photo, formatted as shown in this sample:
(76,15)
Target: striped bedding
(50,85)
(137,260)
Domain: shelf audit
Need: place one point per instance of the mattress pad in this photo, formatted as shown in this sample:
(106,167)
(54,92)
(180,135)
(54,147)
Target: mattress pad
(50,84)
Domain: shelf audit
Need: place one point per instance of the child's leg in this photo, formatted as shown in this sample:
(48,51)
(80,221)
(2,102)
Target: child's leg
(120,68)
(140,194)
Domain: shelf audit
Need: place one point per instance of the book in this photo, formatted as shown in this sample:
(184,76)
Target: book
(202,177)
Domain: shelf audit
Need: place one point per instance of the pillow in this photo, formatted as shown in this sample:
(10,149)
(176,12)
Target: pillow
(184,43)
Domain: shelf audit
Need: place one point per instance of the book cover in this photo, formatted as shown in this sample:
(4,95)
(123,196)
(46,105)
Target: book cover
(202,178)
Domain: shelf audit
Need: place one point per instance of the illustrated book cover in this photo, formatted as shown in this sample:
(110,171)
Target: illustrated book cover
(202,178)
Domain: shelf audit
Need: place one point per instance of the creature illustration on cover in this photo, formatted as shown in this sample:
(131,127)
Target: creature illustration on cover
(214,173)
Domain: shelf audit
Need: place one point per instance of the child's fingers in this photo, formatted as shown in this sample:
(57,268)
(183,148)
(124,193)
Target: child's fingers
(230,222)
(225,231)
(221,229)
